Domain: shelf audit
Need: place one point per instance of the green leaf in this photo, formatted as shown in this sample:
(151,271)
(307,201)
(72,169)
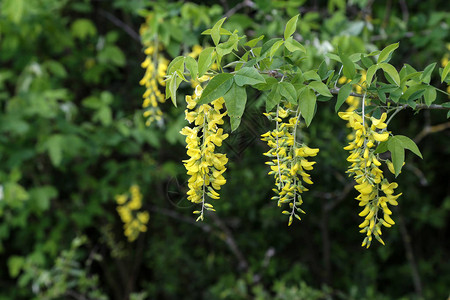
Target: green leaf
(215,31)
(288,91)
(177,64)
(54,146)
(366,61)
(228,46)
(311,75)
(205,60)
(292,45)
(307,103)
(322,70)
(273,98)
(321,88)
(391,71)
(409,144)
(291,25)
(192,66)
(445,72)
(235,100)
(395,146)
(171,88)
(275,47)
(223,31)
(252,43)
(382,147)
(349,67)
(384,54)
(15,264)
(370,73)
(426,75)
(268,45)
(343,94)
(430,95)
(82,28)
(249,76)
(216,88)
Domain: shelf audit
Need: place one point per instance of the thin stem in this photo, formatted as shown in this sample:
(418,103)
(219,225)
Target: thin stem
(278,147)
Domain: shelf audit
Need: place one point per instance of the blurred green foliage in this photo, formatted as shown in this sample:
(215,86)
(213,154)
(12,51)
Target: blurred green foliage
(72,136)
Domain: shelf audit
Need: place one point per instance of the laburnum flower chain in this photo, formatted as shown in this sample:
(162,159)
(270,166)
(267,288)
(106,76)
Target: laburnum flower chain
(375,191)
(129,205)
(288,159)
(204,166)
(155,67)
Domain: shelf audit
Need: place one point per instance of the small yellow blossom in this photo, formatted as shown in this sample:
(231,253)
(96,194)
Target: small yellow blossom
(204,166)
(375,191)
(288,159)
(135,221)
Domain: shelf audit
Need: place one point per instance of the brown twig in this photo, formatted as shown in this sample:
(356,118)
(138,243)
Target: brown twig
(231,243)
(410,255)
(225,234)
(431,129)
(119,23)
(232,11)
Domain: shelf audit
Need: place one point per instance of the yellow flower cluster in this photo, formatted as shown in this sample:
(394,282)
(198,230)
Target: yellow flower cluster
(288,159)
(155,69)
(375,191)
(128,206)
(205,167)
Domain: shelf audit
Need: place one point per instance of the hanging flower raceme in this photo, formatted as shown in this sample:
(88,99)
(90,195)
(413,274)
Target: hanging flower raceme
(288,159)
(129,209)
(205,167)
(375,191)
(155,69)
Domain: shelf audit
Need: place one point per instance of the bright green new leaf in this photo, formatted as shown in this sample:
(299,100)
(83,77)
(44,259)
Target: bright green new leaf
(205,60)
(177,64)
(292,45)
(252,43)
(215,31)
(222,31)
(235,100)
(321,88)
(384,54)
(275,47)
(288,91)
(248,75)
(291,25)
(192,66)
(216,88)
(228,46)
(445,72)
(391,71)
(307,103)
(343,94)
